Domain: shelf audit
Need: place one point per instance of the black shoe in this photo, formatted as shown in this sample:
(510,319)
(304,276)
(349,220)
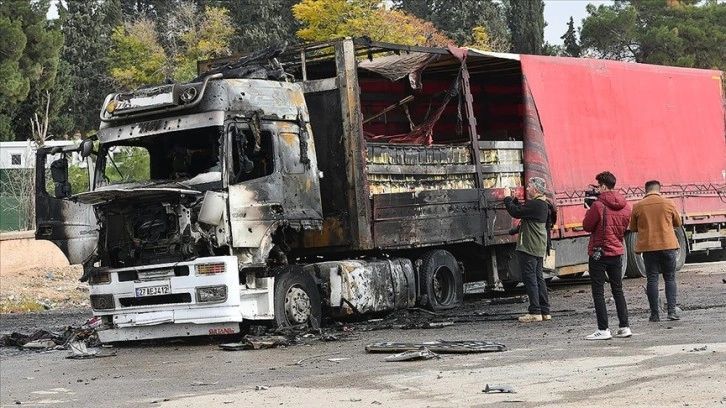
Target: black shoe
(654,317)
(673,316)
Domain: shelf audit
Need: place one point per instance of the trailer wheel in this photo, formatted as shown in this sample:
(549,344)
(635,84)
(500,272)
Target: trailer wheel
(297,300)
(635,266)
(442,284)
(683,248)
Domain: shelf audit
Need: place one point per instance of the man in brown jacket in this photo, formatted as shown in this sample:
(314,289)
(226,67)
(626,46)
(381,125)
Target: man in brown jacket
(654,219)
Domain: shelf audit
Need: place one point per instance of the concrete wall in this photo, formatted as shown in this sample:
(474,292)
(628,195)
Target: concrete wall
(20,251)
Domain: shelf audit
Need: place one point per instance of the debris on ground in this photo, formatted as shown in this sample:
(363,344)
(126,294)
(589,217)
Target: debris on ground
(422,353)
(440,346)
(262,387)
(508,300)
(258,342)
(77,339)
(504,389)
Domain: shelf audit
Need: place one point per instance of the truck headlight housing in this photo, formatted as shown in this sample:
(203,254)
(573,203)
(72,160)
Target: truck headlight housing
(212,294)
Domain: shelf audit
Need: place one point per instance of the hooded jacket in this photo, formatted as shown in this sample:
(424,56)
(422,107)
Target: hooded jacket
(609,234)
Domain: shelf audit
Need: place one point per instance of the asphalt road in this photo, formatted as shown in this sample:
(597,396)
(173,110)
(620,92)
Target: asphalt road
(665,364)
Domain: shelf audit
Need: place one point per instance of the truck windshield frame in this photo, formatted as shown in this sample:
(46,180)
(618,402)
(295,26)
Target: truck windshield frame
(193,157)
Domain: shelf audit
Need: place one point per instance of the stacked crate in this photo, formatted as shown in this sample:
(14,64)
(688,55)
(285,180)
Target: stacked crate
(502,163)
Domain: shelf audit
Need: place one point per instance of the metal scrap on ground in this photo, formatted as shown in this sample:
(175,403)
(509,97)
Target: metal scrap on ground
(421,354)
(499,389)
(440,346)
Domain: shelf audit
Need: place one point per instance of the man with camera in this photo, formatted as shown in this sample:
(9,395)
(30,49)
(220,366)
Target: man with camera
(537,215)
(654,219)
(606,219)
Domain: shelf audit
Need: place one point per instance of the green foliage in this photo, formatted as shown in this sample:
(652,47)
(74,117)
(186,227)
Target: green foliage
(131,164)
(87,28)
(685,33)
(328,19)
(30,47)
(259,23)
(525,19)
(474,23)
(571,45)
(78,178)
(138,56)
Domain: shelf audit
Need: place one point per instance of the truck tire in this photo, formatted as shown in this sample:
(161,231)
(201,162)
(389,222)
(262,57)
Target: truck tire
(683,248)
(441,280)
(635,267)
(297,299)
(624,262)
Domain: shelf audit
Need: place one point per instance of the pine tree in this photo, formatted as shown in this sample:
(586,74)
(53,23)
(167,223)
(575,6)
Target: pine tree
(572,46)
(31,68)
(87,29)
(525,19)
(259,23)
(462,19)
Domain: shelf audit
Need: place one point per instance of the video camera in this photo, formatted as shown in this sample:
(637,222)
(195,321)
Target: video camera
(591,195)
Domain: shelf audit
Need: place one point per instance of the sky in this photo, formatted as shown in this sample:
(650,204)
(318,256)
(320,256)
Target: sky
(557,13)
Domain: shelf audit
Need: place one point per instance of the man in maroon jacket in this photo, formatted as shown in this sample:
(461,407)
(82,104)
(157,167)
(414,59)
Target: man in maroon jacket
(606,221)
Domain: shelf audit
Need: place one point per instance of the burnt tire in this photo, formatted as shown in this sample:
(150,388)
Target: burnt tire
(441,281)
(635,267)
(297,299)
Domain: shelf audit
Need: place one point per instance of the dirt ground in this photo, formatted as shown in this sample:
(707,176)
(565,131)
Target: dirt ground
(38,278)
(665,364)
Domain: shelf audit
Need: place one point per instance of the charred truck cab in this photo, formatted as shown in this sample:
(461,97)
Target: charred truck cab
(184,248)
(291,185)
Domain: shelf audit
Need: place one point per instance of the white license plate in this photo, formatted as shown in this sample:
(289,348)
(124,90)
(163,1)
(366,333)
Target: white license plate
(153,291)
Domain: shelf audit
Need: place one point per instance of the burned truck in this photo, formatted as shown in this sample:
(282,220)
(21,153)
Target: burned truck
(339,179)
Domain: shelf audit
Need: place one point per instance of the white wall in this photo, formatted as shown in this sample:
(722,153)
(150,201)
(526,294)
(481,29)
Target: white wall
(25,152)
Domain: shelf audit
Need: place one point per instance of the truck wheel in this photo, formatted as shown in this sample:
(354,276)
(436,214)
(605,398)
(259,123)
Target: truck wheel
(297,300)
(683,250)
(635,266)
(624,262)
(442,285)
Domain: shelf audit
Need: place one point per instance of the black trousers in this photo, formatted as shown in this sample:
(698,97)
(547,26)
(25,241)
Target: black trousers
(534,284)
(612,267)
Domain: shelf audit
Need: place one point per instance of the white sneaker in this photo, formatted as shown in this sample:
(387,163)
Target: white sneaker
(623,332)
(600,335)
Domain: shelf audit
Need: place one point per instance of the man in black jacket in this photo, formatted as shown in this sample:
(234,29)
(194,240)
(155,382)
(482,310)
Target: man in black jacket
(532,246)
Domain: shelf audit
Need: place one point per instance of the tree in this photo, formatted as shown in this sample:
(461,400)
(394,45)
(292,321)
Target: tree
(571,45)
(87,26)
(688,33)
(32,46)
(259,23)
(475,23)
(137,56)
(327,19)
(525,19)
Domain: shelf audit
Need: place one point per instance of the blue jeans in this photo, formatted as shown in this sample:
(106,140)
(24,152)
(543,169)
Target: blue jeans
(534,284)
(612,267)
(657,262)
